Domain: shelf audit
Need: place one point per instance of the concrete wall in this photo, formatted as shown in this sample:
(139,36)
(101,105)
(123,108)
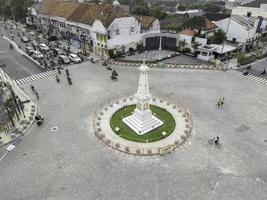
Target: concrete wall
(255,12)
(126,26)
(235,30)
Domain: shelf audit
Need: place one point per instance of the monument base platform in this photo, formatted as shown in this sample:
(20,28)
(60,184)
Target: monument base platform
(142,122)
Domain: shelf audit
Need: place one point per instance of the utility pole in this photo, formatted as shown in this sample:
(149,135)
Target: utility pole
(13,14)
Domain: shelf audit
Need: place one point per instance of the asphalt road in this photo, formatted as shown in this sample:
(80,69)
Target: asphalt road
(257,68)
(17,66)
(72,163)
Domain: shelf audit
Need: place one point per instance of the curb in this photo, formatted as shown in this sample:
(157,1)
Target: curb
(176,66)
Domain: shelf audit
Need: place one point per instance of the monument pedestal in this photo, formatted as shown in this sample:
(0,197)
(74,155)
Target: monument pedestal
(142,121)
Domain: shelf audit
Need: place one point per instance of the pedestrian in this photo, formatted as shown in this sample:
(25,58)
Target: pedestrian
(222,102)
(218,103)
(67,72)
(59,71)
(57,78)
(37,95)
(32,87)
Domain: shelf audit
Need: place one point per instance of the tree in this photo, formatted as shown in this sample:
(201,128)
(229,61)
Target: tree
(211,7)
(219,37)
(111,53)
(181,7)
(157,12)
(140,47)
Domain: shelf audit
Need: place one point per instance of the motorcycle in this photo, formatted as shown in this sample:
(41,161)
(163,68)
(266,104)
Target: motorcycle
(245,72)
(113,77)
(39,120)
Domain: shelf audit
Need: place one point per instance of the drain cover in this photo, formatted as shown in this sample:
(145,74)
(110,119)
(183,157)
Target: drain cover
(53,129)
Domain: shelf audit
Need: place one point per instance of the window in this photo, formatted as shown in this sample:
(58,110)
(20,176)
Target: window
(117,31)
(77,30)
(132,29)
(249,14)
(234,39)
(204,53)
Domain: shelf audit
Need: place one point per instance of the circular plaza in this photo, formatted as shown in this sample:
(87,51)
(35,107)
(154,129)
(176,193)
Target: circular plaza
(142,124)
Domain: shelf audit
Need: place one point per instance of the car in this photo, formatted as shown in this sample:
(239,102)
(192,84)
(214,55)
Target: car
(32,33)
(34,44)
(74,58)
(25,39)
(29,50)
(57,51)
(37,55)
(43,47)
(62,59)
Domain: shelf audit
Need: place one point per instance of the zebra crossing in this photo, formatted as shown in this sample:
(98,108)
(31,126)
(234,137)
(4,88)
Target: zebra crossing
(35,77)
(39,76)
(249,77)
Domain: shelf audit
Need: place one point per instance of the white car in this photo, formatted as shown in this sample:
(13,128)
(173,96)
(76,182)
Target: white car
(32,33)
(74,58)
(37,55)
(44,47)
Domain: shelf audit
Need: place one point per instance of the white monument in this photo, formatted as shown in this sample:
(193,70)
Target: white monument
(142,120)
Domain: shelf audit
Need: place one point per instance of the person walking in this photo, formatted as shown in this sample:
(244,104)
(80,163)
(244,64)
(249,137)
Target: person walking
(37,95)
(218,103)
(222,102)
(67,72)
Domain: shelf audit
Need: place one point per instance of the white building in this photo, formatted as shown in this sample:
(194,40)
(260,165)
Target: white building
(243,30)
(94,27)
(251,11)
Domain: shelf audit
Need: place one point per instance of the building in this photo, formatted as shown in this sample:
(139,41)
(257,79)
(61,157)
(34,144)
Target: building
(173,24)
(60,13)
(203,27)
(242,30)
(214,17)
(216,52)
(148,23)
(251,11)
(188,38)
(92,27)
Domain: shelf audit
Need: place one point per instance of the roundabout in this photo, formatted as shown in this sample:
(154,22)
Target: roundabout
(142,124)
(121,129)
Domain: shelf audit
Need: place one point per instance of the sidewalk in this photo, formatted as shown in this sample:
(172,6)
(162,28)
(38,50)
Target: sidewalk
(76,51)
(24,122)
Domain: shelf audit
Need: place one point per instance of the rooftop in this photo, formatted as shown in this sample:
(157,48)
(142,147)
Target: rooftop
(88,13)
(145,21)
(64,9)
(200,23)
(244,20)
(216,16)
(188,32)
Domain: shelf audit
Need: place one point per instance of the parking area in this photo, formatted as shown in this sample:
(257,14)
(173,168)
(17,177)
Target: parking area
(49,54)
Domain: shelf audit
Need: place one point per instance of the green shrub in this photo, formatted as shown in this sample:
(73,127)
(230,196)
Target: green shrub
(111,53)
(131,50)
(186,50)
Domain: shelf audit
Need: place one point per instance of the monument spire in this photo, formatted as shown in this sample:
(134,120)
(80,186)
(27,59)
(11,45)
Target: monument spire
(142,120)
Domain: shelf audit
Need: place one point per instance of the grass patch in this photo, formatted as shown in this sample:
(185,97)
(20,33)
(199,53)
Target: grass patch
(152,136)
